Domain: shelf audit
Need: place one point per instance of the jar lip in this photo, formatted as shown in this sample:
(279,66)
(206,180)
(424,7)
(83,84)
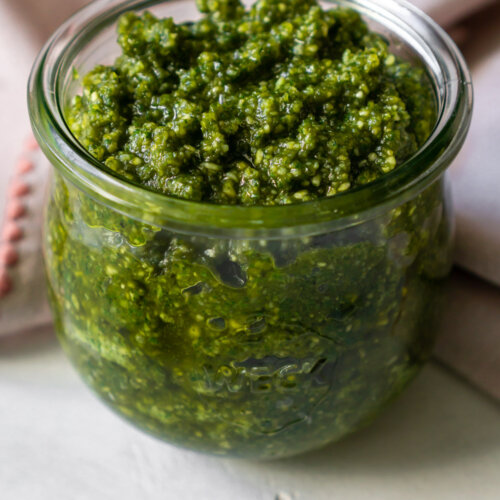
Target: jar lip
(435,47)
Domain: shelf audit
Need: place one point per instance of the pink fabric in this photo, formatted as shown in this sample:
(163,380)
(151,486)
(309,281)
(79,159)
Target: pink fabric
(448,12)
(476,173)
(470,335)
(23,302)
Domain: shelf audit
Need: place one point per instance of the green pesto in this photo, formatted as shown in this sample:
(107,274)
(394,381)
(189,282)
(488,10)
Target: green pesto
(246,347)
(283,103)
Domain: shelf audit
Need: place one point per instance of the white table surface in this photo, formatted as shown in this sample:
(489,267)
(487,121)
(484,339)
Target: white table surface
(441,440)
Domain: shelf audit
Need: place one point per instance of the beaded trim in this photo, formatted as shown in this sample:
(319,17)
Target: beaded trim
(12,232)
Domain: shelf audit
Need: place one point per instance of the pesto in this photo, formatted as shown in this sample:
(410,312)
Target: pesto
(283,103)
(249,347)
(253,348)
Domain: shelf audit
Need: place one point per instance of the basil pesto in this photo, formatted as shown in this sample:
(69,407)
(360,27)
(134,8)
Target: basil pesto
(283,103)
(248,347)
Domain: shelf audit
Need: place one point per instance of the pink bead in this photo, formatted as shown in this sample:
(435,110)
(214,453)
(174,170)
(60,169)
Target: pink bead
(19,188)
(5,283)
(31,143)
(8,255)
(15,209)
(24,166)
(12,232)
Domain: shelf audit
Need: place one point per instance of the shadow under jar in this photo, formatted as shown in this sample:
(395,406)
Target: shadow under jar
(246,330)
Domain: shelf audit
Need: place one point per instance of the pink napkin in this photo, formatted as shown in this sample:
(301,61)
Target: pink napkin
(476,172)
(470,336)
(448,12)
(23,302)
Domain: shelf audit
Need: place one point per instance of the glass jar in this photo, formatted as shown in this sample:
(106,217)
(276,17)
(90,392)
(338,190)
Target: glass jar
(246,331)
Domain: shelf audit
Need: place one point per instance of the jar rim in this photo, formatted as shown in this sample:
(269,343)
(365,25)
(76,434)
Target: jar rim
(452,84)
